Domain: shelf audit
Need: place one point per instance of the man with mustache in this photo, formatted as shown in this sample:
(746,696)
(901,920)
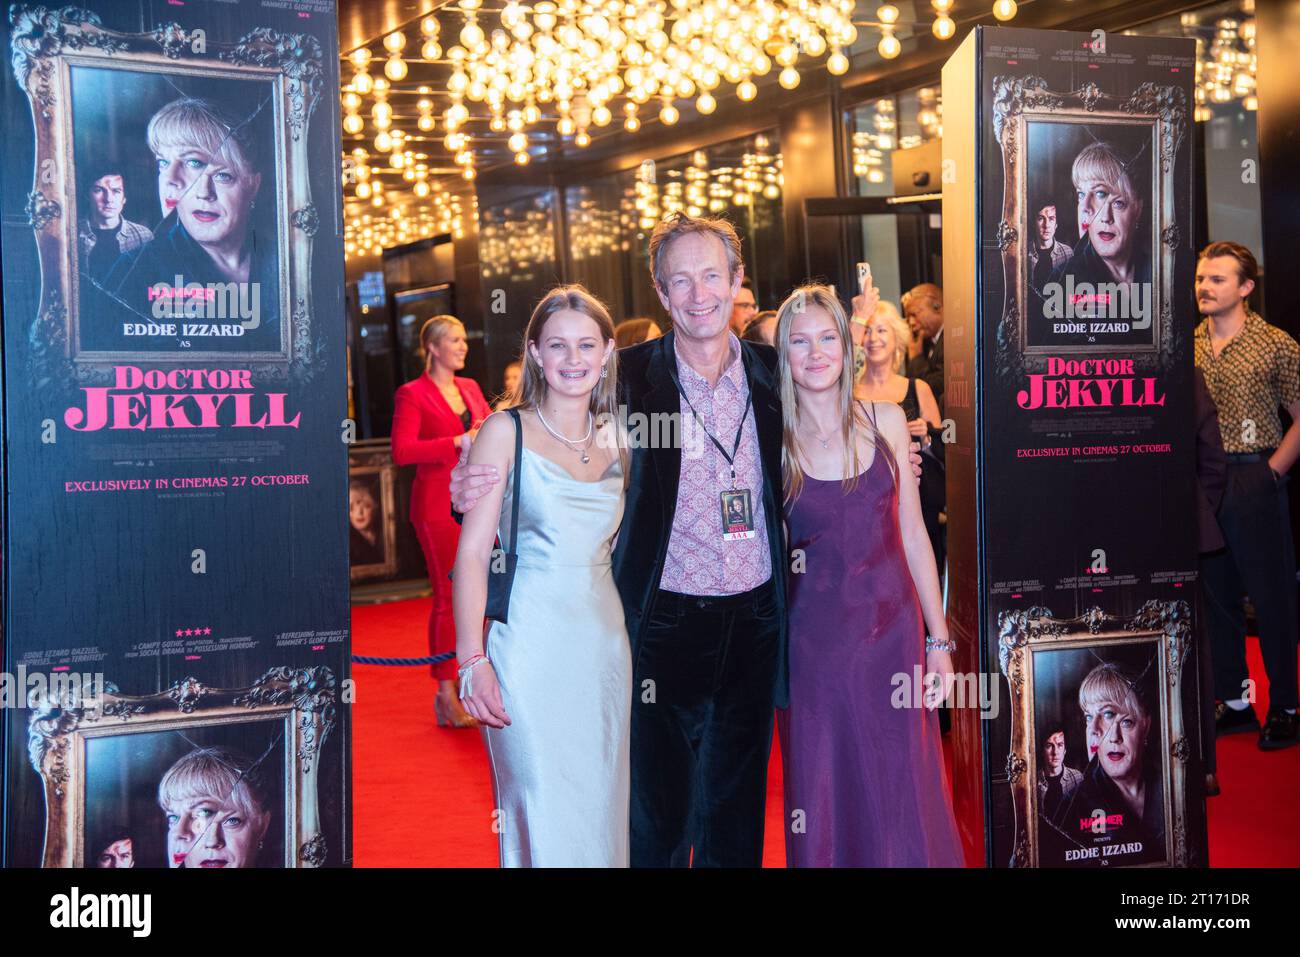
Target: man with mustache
(104,233)
(1252,369)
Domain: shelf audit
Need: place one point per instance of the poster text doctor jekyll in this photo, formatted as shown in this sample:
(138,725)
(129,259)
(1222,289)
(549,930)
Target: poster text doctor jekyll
(179,399)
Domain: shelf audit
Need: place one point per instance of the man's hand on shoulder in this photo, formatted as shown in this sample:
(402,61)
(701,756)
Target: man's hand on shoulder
(469,483)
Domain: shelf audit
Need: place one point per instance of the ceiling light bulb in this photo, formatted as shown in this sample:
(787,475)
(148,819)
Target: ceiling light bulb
(1004,9)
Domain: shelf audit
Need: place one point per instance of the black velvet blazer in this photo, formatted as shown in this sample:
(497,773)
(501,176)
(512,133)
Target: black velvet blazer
(647,388)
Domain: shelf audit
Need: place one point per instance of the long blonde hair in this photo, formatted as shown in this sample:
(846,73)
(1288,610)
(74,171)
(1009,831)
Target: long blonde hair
(853,420)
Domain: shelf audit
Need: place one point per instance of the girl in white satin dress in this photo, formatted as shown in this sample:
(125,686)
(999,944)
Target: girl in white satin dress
(553,686)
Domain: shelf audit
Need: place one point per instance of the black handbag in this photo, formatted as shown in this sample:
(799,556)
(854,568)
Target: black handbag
(501,567)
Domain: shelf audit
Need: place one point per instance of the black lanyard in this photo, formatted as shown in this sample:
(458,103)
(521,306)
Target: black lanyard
(731,459)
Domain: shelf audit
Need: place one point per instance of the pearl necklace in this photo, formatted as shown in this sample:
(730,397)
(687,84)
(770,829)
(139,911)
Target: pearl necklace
(591,421)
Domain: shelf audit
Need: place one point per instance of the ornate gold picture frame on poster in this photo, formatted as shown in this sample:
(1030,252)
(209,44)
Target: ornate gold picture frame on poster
(204,147)
(190,777)
(1090,226)
(1099,755)
(372,514)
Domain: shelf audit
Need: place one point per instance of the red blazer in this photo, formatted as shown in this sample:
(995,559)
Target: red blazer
(424,435)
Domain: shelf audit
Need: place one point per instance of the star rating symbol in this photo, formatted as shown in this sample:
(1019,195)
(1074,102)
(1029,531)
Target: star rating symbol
(192,632)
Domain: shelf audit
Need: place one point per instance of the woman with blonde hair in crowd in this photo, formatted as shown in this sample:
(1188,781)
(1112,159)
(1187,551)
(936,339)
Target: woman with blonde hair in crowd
(552,684)
(883,338)
(431,415)
(864,768)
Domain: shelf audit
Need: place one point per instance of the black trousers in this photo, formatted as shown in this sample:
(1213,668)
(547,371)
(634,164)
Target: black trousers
(1259,561)
(702,711)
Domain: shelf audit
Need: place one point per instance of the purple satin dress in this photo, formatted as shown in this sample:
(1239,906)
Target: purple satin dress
(864,780)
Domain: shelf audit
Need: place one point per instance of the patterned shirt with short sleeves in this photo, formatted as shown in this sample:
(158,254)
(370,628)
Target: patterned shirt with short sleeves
(698,561)
(1255,374)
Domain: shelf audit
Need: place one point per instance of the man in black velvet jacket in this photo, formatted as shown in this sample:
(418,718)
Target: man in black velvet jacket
(706,616)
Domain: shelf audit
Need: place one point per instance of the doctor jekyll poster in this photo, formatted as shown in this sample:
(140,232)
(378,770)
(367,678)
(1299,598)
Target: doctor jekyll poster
(1080,344)
(173,409)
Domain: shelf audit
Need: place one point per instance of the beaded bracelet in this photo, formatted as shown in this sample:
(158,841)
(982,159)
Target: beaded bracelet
(935,644)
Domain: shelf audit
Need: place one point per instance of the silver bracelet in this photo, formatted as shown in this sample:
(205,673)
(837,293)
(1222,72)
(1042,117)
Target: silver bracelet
(466,675)
(935,644)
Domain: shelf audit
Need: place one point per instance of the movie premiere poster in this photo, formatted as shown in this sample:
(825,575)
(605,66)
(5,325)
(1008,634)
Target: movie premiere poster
(176,458)
(1082,351)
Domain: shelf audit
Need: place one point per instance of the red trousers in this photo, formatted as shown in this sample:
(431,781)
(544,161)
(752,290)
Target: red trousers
(438,541)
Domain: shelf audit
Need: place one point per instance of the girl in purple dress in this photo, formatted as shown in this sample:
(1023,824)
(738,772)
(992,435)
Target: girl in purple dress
(864,777)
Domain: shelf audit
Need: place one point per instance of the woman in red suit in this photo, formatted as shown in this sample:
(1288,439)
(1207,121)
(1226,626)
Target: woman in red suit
(431,415)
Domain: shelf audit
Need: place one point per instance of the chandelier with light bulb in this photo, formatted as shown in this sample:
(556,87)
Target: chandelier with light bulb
(368,231)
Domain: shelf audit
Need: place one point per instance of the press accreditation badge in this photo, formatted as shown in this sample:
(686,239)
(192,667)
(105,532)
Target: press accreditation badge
(737,515)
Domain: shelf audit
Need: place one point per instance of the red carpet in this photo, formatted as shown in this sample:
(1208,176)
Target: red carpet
(423,796)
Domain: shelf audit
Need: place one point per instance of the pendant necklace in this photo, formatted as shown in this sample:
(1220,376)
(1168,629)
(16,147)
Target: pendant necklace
(580,445)
(826,442)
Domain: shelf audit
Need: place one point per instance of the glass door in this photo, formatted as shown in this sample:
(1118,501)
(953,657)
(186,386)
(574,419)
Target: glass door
(900,237)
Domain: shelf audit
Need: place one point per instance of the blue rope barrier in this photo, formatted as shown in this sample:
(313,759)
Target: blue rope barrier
(427,660)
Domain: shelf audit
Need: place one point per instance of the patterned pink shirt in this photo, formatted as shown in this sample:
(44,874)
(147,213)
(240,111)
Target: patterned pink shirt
(699,562)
